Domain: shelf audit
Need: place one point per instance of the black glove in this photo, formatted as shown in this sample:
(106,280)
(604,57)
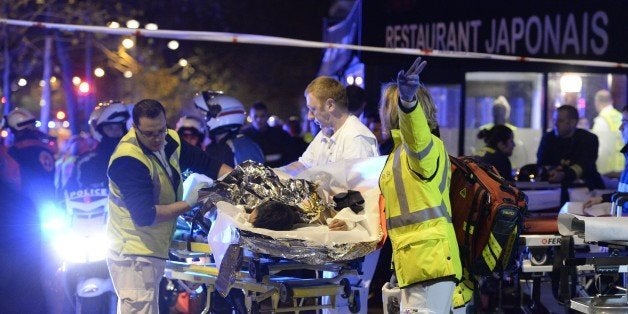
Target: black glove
(351,199)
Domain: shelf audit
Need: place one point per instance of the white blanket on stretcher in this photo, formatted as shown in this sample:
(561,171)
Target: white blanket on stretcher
(358,174)
(606,229)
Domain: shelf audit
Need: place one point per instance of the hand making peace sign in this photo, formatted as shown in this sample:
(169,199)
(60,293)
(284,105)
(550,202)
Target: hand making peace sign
(408,82)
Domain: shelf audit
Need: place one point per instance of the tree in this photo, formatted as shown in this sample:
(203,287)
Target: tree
(276,75)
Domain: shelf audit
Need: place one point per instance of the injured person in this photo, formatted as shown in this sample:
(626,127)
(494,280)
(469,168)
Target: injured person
(282,204)
(275,215)
(327,214)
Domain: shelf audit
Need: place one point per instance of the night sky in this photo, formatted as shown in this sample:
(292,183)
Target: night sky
(272,74)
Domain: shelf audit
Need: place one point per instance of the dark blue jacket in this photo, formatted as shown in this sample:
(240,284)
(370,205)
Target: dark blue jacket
(131,176)
(577,151)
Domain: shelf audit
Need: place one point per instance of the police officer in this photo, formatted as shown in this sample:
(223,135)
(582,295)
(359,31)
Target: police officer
(192,130)
(107,124)
(34,153)
(224,116)
(9,168)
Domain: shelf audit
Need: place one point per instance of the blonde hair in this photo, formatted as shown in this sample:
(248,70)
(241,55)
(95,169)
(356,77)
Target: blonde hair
(326,87)
(429,108)
(389,107)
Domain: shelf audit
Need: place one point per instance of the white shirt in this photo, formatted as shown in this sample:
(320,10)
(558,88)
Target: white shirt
(161,155)
(352,140)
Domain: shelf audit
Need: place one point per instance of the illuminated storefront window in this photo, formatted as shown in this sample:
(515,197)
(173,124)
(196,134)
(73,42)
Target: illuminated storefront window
(522,95)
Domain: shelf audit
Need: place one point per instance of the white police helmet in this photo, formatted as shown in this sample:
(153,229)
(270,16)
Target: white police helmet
(191,123)
(107,112)
(20,119)
(222,113)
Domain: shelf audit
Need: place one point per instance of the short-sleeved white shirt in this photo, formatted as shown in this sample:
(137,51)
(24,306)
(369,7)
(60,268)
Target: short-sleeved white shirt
(352,140)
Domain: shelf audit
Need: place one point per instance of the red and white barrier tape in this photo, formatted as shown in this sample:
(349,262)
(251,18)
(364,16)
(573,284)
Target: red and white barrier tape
(289,42)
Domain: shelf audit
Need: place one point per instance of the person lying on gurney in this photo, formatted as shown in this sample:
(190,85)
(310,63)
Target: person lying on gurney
(279,204)
(275,215)
(623,179)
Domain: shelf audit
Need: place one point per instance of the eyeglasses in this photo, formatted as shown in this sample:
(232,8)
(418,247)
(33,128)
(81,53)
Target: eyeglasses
(157,134)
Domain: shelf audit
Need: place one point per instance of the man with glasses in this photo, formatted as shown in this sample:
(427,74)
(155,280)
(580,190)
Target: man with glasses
(145,198)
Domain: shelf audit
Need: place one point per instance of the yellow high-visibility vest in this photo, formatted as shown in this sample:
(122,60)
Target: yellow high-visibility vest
(415,185)
(125,237)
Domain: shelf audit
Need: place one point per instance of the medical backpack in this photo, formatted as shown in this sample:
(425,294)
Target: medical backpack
(487,213)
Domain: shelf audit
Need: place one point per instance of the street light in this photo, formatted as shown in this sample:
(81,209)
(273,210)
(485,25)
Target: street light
(183,62)
(84,88)
(99,72)
(128,43)
(76,80)
(22,82)
(128,74)
(151,26)
(133,24)
(173,45)
(113,24)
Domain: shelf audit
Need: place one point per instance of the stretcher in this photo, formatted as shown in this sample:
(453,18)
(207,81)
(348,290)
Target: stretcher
(540,242)
(609,265)
(255,260)
(540,233)
(264,289)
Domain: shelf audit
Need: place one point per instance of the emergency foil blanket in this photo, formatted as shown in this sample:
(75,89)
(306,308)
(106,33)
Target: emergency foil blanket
(310,243)
(252,183)
(303,251)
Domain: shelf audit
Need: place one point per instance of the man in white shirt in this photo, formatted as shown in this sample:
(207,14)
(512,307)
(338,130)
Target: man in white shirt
(342,135)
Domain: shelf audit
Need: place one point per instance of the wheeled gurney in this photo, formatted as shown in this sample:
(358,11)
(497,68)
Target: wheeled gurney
(609,266)
(540,239)
(259,280)
(266,255)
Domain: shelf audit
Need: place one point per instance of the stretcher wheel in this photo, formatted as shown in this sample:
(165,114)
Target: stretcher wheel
(285,292)
(346,288)
(257,271)
(538,259)
(255,307)
(354,302)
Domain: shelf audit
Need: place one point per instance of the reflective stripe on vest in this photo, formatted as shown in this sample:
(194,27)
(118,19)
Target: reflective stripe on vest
(463,293)
(422,154)
(406,218)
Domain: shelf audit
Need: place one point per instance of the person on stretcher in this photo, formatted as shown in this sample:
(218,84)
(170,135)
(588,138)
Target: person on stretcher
(278,204)
(279,216)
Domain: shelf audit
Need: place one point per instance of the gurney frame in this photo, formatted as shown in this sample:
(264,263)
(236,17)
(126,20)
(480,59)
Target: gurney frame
(259,282)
